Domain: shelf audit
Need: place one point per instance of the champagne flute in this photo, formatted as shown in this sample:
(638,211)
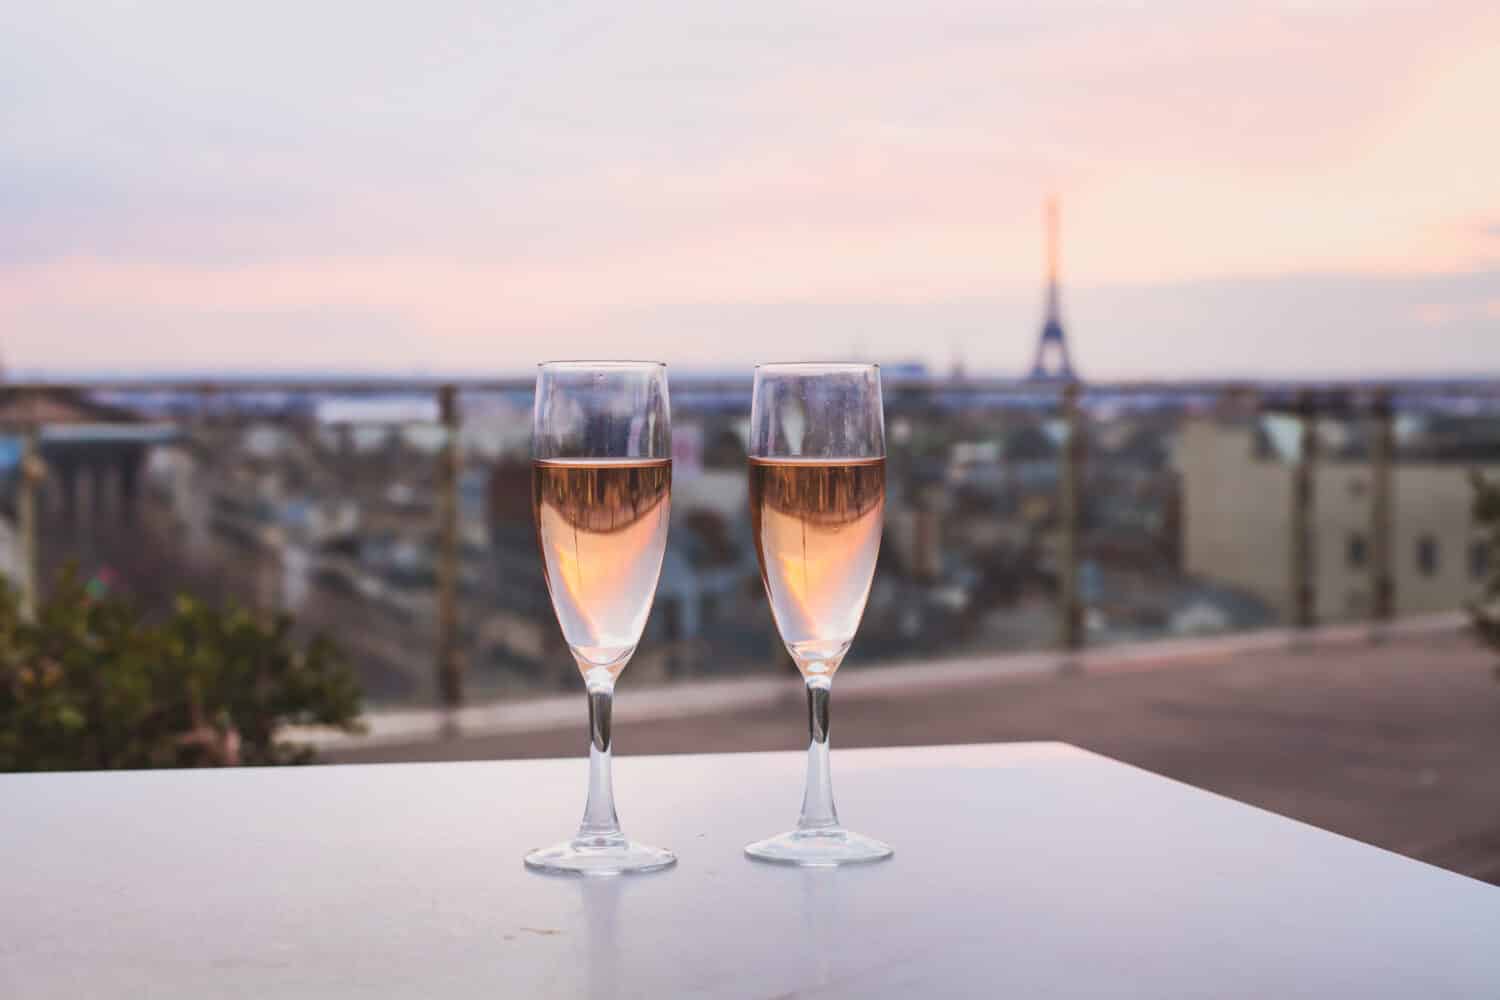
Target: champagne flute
(601,495)
(817,500)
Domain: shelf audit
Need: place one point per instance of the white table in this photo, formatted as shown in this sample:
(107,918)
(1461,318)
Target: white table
(1021,870)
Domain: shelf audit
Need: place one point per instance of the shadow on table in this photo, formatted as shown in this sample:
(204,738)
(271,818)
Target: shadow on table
(600,900)
(825,899)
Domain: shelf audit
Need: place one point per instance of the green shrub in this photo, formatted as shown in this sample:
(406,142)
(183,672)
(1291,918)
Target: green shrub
(91,684)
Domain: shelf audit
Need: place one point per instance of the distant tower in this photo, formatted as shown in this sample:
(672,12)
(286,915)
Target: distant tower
(1052,363)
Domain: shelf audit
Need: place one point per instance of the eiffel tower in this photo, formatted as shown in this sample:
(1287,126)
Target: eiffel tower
(1052,363)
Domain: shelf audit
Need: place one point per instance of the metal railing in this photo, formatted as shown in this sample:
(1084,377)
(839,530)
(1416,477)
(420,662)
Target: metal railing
(221,403)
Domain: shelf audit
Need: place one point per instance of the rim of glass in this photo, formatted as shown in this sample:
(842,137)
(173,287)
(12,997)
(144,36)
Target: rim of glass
(601,364)
(827,366)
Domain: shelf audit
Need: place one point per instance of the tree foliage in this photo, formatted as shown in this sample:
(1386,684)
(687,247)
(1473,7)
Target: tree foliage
(92,684)
(1486,610)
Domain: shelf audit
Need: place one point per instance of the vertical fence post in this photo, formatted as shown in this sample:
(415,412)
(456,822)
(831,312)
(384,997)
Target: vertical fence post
(449,662)
(26,518)
(1070,632)
(1382,515)
(1304,595)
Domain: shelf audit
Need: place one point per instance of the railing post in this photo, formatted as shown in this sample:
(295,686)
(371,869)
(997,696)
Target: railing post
(32,473)
(1304,594)
(1382,514)
(270,545)
(449,661)
(1070,633)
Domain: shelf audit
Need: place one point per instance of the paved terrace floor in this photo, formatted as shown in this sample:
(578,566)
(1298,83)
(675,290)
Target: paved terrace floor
(1396,744)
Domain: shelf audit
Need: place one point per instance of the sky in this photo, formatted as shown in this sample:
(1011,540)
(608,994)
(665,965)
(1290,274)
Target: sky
(1304,189)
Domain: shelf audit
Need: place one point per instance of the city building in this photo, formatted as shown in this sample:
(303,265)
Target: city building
(1237,525)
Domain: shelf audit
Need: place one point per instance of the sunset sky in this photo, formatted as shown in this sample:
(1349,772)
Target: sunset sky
(470,188)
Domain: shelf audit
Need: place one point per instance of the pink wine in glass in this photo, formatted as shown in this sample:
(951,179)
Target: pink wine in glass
(602,528)
(817,531)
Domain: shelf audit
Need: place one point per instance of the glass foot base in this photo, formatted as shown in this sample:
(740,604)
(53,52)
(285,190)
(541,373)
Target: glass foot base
(599,857)
(819,849)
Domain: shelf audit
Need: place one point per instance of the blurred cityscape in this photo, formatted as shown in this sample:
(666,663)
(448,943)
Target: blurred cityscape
(1022,514)
(396,516)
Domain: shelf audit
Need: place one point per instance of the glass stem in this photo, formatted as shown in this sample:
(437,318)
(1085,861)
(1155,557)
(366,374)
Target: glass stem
(817,800)
(600,824)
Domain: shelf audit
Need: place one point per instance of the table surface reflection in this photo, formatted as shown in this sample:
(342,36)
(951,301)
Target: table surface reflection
(1021,870)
